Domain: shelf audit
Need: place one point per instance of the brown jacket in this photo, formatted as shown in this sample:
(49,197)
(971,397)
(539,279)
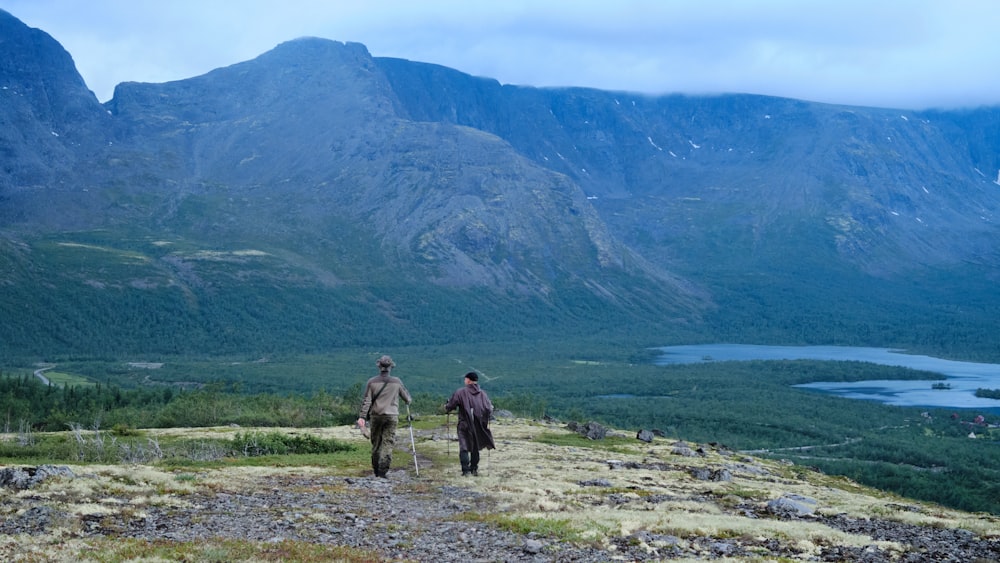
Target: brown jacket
(474,413)
(387,401)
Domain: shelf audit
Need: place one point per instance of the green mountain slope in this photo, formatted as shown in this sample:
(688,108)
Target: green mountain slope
(316,196)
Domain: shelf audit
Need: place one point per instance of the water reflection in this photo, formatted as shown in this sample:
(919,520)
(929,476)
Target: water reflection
(963,378)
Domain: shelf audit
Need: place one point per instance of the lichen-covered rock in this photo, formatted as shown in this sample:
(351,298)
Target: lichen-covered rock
(27,477)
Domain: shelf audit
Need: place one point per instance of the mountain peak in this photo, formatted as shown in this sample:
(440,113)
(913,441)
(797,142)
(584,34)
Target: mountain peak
(591,204)
(313,43)
(35,67)
(47,117)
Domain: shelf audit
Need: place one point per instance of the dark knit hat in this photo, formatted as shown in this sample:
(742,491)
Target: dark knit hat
(472,376)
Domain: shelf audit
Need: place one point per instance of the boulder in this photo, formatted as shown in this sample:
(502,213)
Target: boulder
(591,430)
(792,506)
(27,477)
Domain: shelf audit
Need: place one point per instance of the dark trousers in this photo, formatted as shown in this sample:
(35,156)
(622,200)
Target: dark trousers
(470,461)
(383,428)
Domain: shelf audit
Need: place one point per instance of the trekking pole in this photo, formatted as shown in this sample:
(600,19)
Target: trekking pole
(413,444)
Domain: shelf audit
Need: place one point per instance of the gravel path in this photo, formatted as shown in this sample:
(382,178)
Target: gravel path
(400,518)
(397,517)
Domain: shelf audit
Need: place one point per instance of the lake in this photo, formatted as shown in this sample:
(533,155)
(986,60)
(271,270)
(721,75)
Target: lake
(962,377)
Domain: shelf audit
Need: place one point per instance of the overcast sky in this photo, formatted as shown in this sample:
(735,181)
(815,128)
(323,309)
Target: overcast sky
(906,54)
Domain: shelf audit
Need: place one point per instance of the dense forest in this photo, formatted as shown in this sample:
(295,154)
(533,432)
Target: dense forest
(110,296)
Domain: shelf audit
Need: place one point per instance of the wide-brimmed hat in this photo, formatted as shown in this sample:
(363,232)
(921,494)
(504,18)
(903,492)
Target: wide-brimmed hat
(385,362)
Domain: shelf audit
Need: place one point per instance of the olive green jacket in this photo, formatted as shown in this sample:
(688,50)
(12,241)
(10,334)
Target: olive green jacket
(387,401)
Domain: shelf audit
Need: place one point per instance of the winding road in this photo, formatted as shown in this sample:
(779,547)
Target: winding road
(39,373)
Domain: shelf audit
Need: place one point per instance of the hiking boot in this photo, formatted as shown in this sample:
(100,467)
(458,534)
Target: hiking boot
(463,457)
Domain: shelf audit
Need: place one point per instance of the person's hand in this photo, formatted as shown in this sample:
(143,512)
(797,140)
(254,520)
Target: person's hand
(409,417)
(361,423)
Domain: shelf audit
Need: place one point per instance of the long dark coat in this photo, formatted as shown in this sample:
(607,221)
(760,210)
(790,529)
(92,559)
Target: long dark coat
(474,413)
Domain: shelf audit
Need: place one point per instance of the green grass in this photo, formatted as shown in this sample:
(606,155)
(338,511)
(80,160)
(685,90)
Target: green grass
(261,449)
(62,379)
(562,529)
(355,460)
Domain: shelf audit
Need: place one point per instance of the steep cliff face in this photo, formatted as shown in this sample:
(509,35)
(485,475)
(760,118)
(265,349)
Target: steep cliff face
(49,121)
(886,190)
(308,136)
(297,171)
(40,78)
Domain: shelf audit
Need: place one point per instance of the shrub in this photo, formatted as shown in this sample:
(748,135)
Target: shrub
(253,444)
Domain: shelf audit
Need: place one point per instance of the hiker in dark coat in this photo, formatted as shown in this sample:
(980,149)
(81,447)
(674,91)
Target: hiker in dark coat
(381,406)
(474,413)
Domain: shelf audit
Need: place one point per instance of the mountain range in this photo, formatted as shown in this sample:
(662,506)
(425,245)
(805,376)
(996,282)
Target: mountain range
(317,196)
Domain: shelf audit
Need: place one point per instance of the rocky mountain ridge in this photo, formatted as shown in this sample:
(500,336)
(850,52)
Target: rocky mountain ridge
(320,167)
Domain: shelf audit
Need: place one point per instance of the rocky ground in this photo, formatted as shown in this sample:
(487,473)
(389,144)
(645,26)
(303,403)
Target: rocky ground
(402,519)
(439,516)
(399,518)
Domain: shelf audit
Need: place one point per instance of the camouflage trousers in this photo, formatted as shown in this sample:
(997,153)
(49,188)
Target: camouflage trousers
(383,429)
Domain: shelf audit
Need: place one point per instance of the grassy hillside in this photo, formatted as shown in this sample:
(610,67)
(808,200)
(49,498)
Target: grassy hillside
(747,406)
(103,294)
(545,491)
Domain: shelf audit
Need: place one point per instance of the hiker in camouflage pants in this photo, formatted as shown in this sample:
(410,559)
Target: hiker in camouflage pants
(381,406)
(383,429)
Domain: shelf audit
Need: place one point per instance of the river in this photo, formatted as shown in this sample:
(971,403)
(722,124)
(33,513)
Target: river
(963,378)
